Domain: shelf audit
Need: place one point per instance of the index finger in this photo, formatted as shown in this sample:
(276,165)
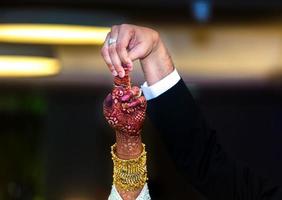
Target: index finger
(126,34)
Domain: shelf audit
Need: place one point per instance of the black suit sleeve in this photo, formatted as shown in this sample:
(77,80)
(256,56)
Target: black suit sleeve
(198,156)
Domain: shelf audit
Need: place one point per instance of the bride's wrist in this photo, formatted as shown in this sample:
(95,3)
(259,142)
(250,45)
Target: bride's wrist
(128,147)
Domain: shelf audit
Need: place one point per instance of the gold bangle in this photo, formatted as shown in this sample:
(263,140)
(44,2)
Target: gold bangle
(129,175)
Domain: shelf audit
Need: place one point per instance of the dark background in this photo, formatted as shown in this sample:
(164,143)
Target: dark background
(65,141)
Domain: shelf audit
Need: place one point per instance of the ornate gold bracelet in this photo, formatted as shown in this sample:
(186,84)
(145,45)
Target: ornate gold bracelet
(129,175)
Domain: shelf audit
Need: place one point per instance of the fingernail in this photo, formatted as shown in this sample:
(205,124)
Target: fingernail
(114,73)
(121,74)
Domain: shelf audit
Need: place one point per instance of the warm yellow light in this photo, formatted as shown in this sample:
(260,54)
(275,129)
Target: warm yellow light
(52,34)
(28,66)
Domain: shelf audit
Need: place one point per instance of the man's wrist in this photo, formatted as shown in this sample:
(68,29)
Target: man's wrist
(163,85)
(158,64)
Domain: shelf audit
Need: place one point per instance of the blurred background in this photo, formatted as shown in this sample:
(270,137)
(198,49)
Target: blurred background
(54,141)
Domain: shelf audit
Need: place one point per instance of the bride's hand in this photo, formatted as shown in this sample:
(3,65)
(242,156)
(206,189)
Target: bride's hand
(124,109)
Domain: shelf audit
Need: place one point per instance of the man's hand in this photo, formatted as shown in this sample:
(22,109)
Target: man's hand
(133,43)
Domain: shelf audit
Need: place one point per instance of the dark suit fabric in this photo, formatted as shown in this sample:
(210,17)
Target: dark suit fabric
(198,156)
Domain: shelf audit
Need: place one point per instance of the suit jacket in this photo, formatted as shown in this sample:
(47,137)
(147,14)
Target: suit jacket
(198,156)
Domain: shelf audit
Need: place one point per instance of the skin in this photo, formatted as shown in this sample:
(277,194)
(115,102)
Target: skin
(133,43)
(137,43)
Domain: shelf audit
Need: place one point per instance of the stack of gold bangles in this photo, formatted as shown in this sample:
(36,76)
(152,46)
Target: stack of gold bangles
(129,175)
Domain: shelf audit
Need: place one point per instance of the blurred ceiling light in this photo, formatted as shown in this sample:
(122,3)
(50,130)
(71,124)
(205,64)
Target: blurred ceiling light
(28,66)
(52,34)
(27,61)
(38,25)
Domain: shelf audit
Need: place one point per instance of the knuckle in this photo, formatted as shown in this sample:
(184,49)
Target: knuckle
(111,67)
(114,27)
(108,62)
(112,50)
(104,51)
(115,64)
(156,35)
(118,68)
(122,26)
(119,46)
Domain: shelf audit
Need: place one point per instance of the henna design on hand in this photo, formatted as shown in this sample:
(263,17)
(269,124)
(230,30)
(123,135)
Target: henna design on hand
(124,108)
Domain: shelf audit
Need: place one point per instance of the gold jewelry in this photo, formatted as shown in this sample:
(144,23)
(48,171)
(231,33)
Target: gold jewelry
(129,175)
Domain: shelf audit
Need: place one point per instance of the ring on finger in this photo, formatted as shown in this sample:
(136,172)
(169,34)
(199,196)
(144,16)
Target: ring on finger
(112,41)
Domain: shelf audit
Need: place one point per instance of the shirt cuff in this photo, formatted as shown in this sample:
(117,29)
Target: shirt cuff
(160,87)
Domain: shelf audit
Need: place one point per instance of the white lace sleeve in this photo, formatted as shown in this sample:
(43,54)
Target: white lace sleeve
(144,194)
